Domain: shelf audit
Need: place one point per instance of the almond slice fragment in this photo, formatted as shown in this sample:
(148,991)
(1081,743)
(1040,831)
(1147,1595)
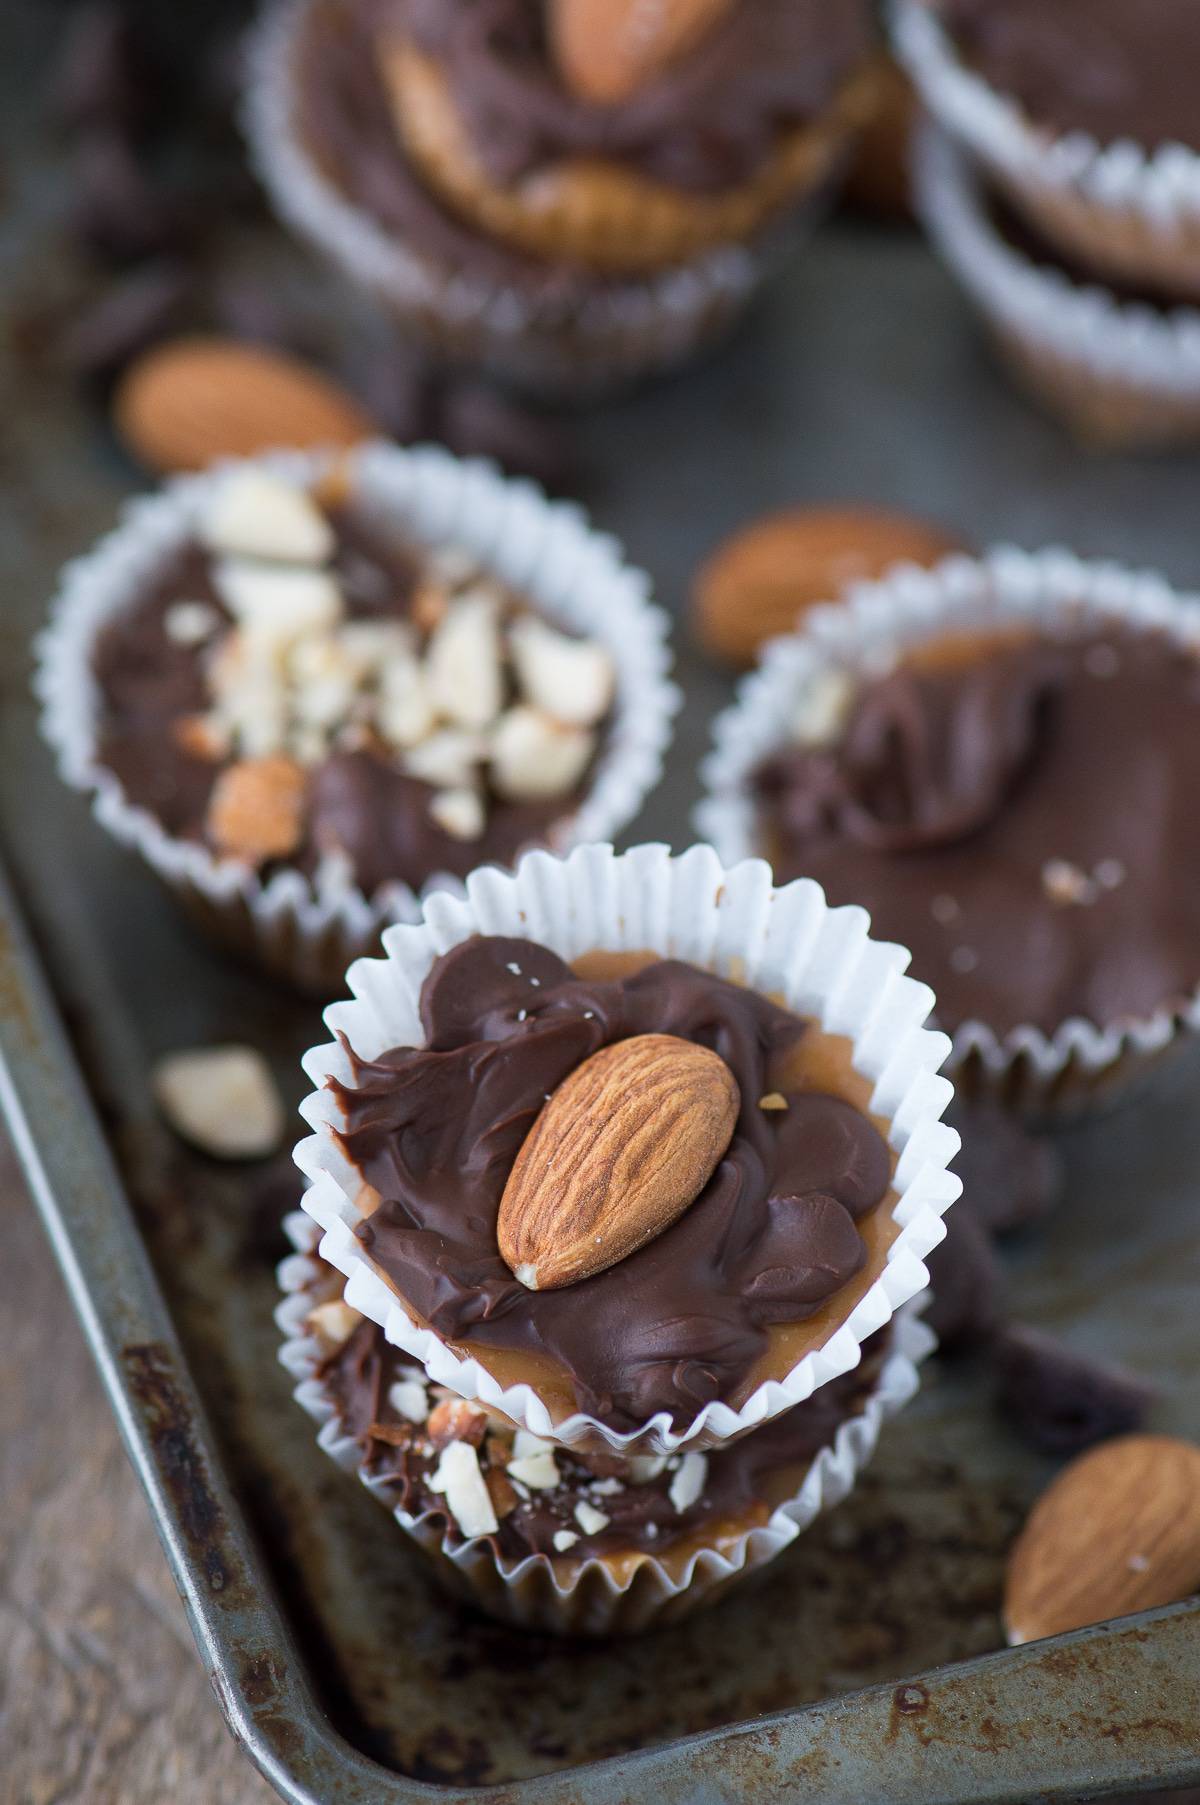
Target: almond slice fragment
(256,514)
(221,1099)
(535,758)
(570,679)
(459,813)
(333,1323)
(278,602)
(463,662)
(460,1479)
(448,759)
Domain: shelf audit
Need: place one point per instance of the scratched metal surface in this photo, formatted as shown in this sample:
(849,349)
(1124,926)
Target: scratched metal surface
(860,376)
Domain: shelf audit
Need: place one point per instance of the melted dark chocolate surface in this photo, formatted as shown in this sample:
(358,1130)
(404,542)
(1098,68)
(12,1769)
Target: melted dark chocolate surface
(435,1129)
(956,797)
(706,122)
(1113,68)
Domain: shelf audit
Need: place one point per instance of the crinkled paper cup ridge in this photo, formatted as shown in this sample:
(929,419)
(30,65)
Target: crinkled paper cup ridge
(587,1597)
(1082,1064)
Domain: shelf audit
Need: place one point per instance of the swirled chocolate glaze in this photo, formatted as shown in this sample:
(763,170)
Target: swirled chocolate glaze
(640,1512)
(435,1129)
(359,803)
(1113,68)
(1025,823)
(706,122)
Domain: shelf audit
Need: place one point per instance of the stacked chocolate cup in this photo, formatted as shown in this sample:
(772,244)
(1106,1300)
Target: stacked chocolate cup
(1060,180)
(624,1170)
(575,197)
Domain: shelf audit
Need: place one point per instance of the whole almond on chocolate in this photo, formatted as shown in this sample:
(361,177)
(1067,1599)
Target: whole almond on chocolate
(1118,1531)
(756,583)
(185,403)
(607,49)
(620,1151)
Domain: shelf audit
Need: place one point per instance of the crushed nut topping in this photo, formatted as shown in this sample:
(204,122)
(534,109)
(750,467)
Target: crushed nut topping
(1065,884)
(484,1468)
(460,1479)
(688,1481)
(410,1399)
(824,709)
(472,693)
(333,1324)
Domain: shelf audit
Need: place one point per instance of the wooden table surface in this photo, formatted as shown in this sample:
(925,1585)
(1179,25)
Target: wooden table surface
(103,1700)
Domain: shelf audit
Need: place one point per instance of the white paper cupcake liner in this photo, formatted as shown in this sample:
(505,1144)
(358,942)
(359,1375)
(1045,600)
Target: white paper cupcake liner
(586,1597)
(1131,209)
(575,346)
(545,550)
(1081,1064)
(1123,372)
(731,921)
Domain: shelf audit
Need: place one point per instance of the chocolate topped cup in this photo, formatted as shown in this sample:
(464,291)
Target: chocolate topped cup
(778,1224)
(1118,361)
(571,1540)
(1083,112)
(617,136)
(996,760)
(300,691)
(625,1200)
(577,193)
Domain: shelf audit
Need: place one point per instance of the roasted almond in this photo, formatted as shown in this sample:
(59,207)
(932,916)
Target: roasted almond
(455,1419)
(757,583)
(256,810)
(607,49)
(620,1151)
(1118,1531)
(877,181)
(185,403)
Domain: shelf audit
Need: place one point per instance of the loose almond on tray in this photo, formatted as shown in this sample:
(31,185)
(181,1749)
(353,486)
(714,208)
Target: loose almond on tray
(759,582)
(190,401)
(1117,1532)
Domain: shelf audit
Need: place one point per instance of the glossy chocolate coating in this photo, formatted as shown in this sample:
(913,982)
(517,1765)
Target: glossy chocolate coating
(956,795)
(434,1131)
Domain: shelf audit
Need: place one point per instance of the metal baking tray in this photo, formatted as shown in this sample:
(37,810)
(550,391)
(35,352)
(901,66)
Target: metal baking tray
(863,1669)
